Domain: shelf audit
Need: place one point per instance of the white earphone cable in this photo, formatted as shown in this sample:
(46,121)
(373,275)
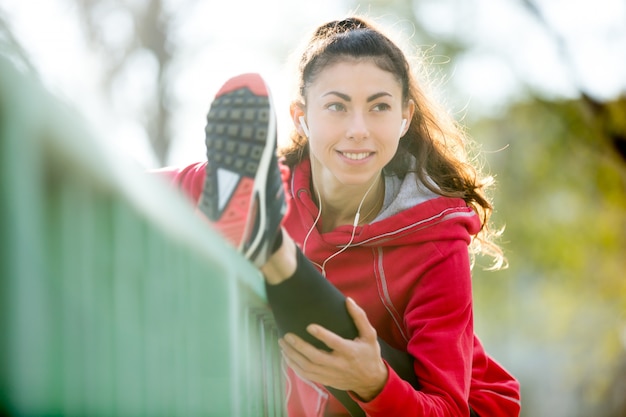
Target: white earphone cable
(319,214)
(354,225)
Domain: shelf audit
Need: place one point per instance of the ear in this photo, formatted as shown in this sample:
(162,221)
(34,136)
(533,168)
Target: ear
(297,111)
(407,113)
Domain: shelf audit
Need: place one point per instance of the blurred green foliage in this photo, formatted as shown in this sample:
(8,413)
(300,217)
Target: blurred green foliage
(561,306)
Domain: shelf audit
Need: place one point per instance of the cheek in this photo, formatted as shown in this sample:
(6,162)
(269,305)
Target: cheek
(390,138)
(391,150)
(316,151)
(322,139)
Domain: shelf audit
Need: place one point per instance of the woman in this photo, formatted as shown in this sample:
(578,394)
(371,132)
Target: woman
(382,201)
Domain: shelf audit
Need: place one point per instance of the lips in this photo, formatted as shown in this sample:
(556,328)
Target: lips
(356,156)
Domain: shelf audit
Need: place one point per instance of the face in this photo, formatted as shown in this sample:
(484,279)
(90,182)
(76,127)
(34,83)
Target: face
(354,113)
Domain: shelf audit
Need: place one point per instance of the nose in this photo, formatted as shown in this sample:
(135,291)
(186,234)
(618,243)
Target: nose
(357,128)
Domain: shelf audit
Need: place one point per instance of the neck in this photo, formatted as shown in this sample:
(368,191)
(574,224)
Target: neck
(340,205)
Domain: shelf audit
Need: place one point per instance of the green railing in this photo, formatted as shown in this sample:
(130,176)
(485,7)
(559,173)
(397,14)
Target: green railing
(116,299)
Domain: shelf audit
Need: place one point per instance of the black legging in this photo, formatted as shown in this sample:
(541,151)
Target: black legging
(307,297)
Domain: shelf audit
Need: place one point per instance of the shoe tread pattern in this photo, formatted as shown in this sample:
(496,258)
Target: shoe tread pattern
(236,134)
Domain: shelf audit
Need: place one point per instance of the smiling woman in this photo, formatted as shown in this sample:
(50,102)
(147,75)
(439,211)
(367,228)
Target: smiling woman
(368,271)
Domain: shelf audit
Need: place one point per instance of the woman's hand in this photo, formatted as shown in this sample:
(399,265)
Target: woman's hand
(352,365)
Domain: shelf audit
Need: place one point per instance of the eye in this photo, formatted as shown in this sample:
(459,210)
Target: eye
(336,107)
(381,107)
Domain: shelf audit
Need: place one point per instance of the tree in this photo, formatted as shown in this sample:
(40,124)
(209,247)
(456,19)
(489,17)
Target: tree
(605,118)
(146,32)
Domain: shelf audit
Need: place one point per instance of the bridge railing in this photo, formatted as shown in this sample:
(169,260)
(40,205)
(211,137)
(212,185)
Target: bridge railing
(116,299)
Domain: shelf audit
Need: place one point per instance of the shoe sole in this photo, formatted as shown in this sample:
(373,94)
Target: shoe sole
(240,142)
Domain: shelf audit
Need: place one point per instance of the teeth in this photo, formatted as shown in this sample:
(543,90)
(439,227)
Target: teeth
(356,156)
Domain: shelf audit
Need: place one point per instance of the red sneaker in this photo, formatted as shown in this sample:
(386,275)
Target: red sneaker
(243,195)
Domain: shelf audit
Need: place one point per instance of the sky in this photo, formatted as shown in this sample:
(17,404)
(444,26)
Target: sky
(508,50)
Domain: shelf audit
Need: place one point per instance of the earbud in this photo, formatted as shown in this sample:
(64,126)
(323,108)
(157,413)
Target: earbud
(402,126)
(305,128)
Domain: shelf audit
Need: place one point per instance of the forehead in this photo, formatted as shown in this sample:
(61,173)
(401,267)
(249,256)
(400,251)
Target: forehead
(355,76)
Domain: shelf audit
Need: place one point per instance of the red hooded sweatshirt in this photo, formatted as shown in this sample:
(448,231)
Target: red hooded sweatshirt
(409,270)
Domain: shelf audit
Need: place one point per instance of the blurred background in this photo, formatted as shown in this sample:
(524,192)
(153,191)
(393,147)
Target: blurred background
(540,85)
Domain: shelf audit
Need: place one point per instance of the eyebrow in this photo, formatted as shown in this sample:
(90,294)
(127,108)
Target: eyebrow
(348,98)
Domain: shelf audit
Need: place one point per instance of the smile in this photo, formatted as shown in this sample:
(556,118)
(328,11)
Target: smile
(356,156)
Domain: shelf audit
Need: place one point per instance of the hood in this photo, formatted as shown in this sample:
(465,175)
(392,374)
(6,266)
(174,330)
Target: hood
(411,214)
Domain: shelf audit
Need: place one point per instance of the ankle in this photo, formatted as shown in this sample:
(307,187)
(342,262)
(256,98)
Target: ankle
(282,263)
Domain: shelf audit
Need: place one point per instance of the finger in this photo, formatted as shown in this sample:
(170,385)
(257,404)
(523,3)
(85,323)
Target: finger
(289,350)
(364,327)
(298,361)
(330,339)
(304,349)
(292,358)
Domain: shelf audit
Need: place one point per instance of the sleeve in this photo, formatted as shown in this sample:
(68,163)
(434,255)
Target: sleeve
(494,391)
(189,179)
(439,321)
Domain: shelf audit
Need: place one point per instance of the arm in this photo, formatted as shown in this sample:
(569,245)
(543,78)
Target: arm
(189,179)
(439,321)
